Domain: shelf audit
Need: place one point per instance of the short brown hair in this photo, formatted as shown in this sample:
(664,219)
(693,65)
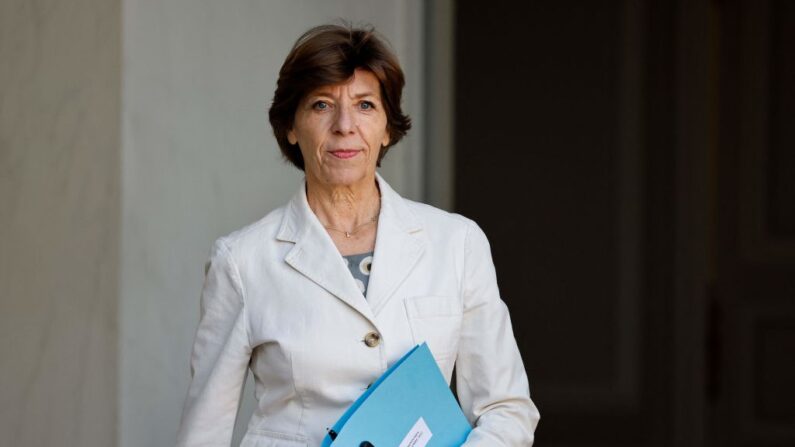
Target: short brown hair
(327,55)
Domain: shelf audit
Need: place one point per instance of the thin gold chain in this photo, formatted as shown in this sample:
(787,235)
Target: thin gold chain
(349,233)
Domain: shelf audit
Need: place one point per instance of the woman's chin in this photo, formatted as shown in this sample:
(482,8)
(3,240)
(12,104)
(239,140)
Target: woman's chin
(346,176)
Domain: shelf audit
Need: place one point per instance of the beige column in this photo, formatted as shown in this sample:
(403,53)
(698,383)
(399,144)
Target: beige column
(59,221)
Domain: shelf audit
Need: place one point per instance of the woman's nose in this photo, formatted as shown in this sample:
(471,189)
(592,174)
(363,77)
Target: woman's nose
(344,121)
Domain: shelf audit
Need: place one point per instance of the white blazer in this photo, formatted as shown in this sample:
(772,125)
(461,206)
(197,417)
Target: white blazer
(279,299)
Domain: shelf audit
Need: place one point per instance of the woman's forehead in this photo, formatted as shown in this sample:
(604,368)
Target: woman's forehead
(362,83)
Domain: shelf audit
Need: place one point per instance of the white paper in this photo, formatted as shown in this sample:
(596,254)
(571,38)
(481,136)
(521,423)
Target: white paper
(418,436)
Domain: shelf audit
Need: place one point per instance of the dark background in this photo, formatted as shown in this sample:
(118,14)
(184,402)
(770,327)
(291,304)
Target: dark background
(633,164)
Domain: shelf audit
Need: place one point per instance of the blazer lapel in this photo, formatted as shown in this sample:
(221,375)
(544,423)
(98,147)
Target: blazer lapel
(315,255)
(400,242)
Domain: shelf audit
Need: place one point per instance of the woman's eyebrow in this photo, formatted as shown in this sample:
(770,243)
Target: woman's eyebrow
(320,93)
(363,94)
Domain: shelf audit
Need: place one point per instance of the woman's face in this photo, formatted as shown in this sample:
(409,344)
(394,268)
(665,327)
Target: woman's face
(340,130)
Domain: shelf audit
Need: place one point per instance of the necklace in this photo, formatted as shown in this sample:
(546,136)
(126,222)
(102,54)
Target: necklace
(355,229)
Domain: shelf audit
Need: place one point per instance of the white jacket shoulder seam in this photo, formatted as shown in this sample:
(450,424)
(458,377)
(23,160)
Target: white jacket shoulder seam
(238,284)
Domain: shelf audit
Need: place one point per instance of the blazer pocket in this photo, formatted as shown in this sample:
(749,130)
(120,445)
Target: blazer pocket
(437,321)
(268,438)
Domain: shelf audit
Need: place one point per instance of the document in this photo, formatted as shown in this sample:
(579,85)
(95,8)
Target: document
(410,405)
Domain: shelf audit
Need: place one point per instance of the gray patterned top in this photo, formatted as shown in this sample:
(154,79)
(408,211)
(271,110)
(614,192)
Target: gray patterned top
(360,265)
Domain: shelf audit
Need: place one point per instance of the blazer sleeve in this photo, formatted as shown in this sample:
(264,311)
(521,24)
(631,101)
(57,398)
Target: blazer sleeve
(220,357)
(491,382)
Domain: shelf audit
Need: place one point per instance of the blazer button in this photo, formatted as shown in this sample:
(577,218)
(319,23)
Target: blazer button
(372,339)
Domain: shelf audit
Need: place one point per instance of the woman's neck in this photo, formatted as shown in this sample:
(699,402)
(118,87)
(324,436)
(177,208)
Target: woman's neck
(345,207)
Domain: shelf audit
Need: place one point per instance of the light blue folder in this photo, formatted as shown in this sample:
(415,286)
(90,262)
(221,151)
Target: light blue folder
(410,404)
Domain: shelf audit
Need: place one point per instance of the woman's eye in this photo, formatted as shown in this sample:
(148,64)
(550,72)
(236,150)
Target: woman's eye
(320,105)
(367,105)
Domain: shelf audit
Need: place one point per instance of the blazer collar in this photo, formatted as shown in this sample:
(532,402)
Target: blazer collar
(400,242)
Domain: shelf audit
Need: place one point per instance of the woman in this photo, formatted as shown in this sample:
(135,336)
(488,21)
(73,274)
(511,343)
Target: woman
(320,296)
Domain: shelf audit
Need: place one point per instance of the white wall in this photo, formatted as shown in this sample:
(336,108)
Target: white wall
(199,160)
(59,222)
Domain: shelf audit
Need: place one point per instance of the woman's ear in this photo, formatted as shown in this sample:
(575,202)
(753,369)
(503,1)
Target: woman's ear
(291,138)
(385,141)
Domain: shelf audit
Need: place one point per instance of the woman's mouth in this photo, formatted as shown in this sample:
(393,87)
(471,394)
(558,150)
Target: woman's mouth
(345,153)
